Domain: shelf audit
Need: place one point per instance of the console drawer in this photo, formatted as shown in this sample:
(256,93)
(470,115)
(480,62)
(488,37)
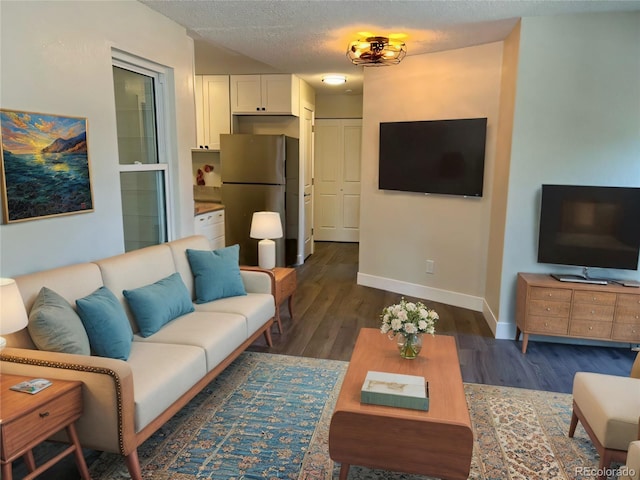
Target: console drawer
(554,294)
(542,325)
(628,309)
(596,298)
(626,332)
(550,309)
(586,311)
(589,329)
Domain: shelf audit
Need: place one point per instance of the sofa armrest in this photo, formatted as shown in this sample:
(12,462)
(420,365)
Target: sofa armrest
(108,402)
(631,471)
(258,280)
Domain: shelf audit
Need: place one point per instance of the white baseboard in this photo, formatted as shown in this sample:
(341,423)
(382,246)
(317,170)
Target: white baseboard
(501,330)
(421,291)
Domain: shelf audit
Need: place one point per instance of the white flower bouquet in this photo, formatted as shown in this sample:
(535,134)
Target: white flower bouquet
(408,318)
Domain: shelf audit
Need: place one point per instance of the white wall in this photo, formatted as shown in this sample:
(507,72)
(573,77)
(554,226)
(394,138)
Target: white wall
(56,58)
(400,231)
(577,121)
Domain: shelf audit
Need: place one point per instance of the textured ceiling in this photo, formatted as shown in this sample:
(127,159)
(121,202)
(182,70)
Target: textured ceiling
(310,38)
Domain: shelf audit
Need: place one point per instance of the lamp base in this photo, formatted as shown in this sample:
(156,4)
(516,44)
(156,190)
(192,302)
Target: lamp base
(266,254)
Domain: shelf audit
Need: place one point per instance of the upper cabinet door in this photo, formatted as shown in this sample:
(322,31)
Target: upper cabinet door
(246,94)
(213,112)
(265,94)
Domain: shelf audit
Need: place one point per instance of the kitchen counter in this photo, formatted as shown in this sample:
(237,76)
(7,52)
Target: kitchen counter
(206,207)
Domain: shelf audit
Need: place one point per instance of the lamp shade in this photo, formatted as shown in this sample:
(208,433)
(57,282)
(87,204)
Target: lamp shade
(13,315)
(266,225)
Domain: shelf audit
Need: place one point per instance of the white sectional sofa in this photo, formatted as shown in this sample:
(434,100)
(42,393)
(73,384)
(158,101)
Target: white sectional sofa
(126,401)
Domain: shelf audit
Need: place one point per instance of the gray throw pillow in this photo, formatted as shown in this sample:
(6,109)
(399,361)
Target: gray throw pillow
(55,326)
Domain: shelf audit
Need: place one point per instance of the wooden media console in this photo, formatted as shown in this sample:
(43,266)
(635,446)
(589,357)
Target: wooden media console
(546,306)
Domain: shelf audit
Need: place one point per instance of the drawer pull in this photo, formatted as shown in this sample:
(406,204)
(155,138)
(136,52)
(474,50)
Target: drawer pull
(44,414)
(546,324)
(593,312)
(594,299)
(550,294)
(590,328)
(548,309)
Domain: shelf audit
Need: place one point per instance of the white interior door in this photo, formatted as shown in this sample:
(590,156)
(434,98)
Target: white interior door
(337,180)
(307,136)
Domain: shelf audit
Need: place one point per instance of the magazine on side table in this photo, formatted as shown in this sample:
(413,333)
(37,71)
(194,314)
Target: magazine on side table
(31,386)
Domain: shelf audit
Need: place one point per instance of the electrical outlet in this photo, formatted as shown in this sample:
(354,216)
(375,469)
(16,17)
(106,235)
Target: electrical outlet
(430,266)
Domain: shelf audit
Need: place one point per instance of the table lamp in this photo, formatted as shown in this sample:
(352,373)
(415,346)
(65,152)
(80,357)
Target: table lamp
(13,316)
(266,226)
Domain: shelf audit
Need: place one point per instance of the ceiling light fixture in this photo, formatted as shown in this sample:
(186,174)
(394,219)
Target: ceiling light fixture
(376,51)
(334,79)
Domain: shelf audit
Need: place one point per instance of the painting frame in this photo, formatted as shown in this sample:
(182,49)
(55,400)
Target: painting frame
(45,169)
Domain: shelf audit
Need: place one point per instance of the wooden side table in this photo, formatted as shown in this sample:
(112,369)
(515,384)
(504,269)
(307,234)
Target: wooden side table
(27,420)
(285,287)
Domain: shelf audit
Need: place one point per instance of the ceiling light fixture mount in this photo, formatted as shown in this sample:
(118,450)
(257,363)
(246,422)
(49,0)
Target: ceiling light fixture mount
(334,79)
(376,51)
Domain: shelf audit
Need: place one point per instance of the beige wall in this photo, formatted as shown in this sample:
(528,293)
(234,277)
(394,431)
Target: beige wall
(56,58)
(501,178)
(339,106)
(400,231)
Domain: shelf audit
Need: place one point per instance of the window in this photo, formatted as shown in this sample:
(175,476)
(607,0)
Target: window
(142,152)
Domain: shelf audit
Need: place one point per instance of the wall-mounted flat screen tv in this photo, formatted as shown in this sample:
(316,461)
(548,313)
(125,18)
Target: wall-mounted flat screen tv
(433,156)
(590,226)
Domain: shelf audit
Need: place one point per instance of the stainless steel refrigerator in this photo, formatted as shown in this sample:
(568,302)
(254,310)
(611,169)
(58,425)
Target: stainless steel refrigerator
(260,173)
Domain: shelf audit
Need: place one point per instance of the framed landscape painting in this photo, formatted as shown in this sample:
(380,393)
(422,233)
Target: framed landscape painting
(45,165)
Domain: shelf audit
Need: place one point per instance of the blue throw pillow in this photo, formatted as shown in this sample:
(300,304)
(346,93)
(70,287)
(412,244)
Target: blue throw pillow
(216,273)
(159,303)
(106,323)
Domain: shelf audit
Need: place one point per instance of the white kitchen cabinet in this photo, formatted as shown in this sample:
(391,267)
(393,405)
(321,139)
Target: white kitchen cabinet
(213,112)
(211,225)
(265,95)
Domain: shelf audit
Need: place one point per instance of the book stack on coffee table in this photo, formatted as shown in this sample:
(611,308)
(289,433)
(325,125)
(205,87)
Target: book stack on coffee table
(395,390)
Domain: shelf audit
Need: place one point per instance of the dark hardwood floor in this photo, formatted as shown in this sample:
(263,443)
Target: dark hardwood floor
(330,308)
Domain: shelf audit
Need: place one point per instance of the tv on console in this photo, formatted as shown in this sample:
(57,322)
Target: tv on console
(433,156)
(590,226)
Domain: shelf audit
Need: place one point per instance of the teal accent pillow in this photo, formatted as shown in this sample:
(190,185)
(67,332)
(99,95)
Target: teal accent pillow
(55,326)
(216,273)
(159,303)
(106,323)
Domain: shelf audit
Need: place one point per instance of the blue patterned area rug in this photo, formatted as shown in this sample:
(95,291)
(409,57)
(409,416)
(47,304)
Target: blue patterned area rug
(267,417)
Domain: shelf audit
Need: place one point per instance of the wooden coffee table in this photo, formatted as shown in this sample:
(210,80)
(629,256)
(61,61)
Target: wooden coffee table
(437,443)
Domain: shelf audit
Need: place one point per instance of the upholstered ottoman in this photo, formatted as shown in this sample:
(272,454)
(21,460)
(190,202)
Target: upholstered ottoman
(608,407)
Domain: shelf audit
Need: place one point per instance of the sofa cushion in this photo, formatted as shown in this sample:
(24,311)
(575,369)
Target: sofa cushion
(106,324)
(162,373)
(179,251)
(216,273)
(54,325)
(156,304)
(256,308)
(218,334)
(136,269)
